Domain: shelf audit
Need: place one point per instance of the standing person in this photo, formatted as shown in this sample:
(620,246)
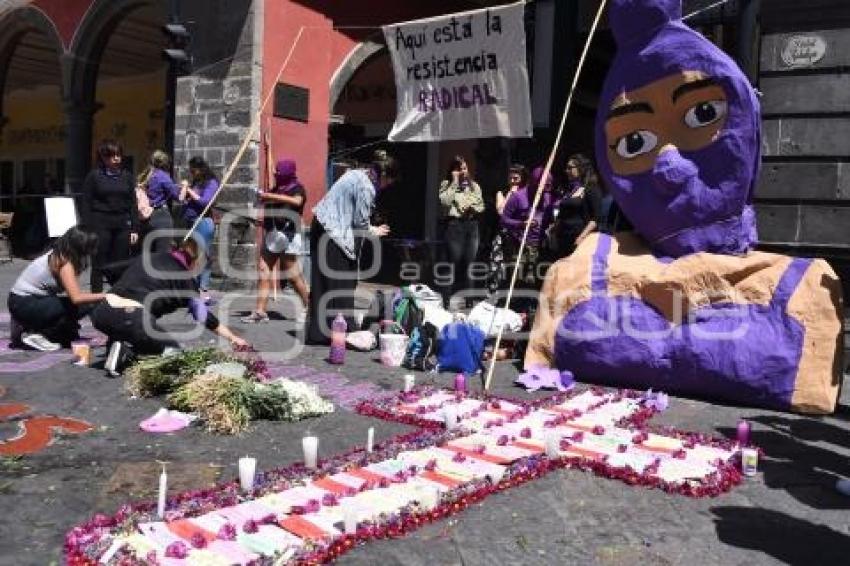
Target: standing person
(462,202)
(129,315)
(344,210)
(514,218)
(159,190)
(110,210)
(196,195)
(579,209)
(45,302)
(517,179)
(284,205)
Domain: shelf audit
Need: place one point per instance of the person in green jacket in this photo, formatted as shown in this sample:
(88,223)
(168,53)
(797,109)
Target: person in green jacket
(462,204)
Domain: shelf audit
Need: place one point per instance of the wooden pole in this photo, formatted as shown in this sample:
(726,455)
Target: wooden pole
(252,131)
(546,170)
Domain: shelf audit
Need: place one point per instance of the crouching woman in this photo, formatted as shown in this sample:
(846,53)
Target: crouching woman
(149,289)
(46,302)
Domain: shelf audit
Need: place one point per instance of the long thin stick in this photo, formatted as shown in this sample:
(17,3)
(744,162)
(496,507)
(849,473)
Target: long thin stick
(269,186)
(255,126)
(542,182)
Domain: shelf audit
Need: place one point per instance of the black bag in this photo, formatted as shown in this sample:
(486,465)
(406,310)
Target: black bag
(421,348)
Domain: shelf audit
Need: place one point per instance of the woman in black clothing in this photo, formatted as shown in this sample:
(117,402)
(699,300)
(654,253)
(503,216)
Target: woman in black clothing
(147,290)
(579,207)
(110,210)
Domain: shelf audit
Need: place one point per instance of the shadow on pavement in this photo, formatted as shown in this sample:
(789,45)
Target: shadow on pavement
(797,460)
(788,539)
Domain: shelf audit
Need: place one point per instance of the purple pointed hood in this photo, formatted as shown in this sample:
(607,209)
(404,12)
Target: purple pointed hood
(689,201)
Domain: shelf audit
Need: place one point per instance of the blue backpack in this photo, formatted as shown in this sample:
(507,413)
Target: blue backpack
(460,348)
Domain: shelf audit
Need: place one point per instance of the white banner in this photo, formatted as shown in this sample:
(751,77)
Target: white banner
(461,76)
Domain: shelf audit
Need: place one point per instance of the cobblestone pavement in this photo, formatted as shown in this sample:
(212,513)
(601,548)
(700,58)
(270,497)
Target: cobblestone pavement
(789,513)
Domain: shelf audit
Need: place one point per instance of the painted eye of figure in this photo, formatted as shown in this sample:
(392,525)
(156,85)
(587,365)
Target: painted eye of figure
(635,143)
(705,113)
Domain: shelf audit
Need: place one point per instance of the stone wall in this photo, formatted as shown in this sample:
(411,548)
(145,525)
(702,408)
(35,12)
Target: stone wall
(215,105)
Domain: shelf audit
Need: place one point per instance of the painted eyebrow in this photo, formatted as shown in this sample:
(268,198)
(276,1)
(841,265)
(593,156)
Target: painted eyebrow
(681,90)
(630,109)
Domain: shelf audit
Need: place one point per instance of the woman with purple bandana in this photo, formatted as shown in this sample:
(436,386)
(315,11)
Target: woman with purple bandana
(195,197)
(684,304)
(283,207)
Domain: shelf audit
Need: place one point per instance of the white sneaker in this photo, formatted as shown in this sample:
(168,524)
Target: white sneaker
(40,343)
(843,486)
(113,358)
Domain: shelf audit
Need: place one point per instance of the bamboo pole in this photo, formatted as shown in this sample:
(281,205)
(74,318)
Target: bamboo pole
(252,131)
(546,170)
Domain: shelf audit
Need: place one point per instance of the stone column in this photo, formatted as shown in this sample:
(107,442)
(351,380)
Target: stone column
(78,143)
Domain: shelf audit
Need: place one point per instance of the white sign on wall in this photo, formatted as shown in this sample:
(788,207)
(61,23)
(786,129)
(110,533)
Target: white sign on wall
(461,76)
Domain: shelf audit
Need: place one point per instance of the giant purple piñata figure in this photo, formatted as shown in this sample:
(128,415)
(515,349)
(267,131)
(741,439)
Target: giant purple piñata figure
(684,305)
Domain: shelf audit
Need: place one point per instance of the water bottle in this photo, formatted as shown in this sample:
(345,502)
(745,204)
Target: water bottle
(338,329)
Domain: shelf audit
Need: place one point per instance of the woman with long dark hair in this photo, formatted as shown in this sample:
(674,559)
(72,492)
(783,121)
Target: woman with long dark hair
(159,190)
(196,195)
(579,209)
(335,243)
(46,302)
(463,203)
(109,209)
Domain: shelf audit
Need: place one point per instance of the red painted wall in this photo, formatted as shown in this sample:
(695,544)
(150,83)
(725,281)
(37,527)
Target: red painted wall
(65,14)
(332,29)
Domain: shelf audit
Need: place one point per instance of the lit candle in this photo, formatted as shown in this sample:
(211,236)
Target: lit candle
(552,440)
(409,382)
(349,518)
(247,468)
(370,439)
(311,451)
(743,432)
(163,489)
(450,415)
(460,383)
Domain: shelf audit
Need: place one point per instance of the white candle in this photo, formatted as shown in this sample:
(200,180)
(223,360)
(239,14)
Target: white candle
(497,474)
(370,439)
(247,469)
(450,415)
(311,451)
(552,440)
(429,498)
(163,489)
(409,382)
(349,518)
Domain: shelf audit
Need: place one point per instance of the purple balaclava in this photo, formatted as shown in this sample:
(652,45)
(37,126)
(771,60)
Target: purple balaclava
(688,201)
(284,175)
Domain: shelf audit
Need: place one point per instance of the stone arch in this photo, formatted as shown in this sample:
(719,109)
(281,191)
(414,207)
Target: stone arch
(14,25)
(358,56)
(88,44)
(81,72)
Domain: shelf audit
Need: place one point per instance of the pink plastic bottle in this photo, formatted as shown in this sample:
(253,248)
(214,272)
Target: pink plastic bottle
(338,329)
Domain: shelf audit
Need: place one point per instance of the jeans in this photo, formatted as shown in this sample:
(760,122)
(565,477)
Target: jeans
(113,245)
(56,318)
(135,326)
(462,240)
(206,232)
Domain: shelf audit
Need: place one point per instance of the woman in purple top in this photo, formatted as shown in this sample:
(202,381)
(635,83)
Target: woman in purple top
(514,218)
(195,198)
(160,189)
